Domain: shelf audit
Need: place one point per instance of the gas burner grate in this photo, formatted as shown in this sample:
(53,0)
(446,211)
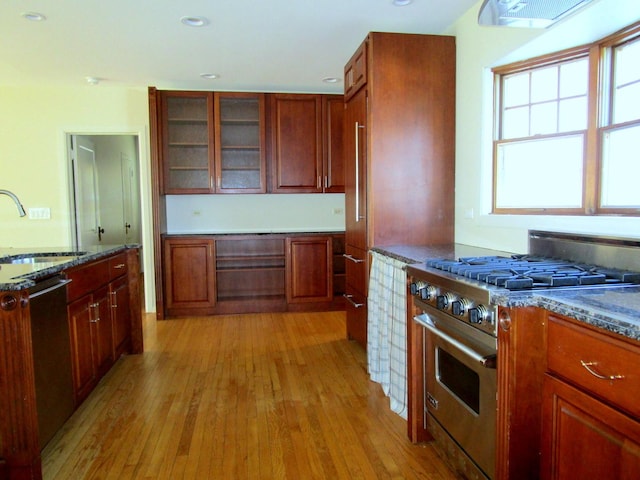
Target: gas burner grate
(523,272)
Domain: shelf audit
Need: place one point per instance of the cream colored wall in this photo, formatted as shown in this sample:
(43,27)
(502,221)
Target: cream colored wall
(34,122)
(479,49)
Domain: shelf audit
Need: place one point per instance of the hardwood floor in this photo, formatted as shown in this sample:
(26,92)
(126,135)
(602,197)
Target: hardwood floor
(262,396)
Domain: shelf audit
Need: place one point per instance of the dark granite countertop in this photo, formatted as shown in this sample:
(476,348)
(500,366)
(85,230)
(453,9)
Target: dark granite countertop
(19,276)
(614,309)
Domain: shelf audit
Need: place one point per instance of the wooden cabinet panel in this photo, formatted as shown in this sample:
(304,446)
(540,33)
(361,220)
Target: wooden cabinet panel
(187,142)
(83,346)
(85,278)
(584,438)
(333,142)
(102,322)
(118,266)
(355,147)
(589,359)
(356,311)
(240,143)
(309,269)
(120,312)
(296,157)
(190,274)
(355,72)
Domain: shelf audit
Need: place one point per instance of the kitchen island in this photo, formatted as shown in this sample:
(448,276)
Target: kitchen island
(104,320)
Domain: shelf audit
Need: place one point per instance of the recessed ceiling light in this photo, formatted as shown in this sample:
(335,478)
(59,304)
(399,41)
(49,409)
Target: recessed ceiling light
(401,3)
(330,80)
(210,76)
(194,21)
(34,16)
(92,80)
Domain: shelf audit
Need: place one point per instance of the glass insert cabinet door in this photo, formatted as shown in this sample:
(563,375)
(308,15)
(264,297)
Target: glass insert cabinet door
(240,138)
(187,142)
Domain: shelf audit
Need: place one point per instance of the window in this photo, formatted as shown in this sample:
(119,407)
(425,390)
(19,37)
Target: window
(552,155)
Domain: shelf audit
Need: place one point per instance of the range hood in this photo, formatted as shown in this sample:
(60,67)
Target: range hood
(527,13)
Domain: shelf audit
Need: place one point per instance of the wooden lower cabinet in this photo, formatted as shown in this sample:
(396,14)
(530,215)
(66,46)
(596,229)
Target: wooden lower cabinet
(91,330)
(585,438)
(190,281)
(309,275)
(102,318)
(591,413)
(228,274)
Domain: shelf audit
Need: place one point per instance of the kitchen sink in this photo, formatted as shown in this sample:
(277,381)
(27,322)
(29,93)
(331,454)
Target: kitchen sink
(53,257)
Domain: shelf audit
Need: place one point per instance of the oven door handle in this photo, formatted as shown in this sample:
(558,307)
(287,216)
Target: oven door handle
(488,361)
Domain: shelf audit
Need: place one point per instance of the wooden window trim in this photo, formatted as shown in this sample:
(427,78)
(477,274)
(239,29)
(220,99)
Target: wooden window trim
(599,120)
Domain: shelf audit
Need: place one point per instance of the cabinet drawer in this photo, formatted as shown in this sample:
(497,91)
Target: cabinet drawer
(590,359)
(87,278)
(117,265)
(356,268)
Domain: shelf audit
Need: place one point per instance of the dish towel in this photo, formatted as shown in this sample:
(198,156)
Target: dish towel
(387,329)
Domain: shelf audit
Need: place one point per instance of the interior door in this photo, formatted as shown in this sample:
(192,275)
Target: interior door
(86,198)
(130,200)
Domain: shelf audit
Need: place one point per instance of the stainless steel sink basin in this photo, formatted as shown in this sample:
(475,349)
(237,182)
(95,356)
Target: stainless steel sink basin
(53,257)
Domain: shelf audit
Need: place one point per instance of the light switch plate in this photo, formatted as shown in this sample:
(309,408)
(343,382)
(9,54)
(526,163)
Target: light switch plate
(41,213)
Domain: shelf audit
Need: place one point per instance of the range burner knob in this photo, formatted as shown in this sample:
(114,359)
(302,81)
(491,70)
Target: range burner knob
(416,287)
(428,293)
(460,306)
(480,314)
(444,301)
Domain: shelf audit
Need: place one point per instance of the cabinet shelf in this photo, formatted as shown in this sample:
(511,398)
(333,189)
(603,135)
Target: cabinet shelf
(188,168)
(202,121)
(240,147)
(188,144)
(239,121)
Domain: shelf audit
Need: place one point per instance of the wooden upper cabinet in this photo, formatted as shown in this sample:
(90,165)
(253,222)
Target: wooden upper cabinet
(187,153)
(355,72)
(217,142)
(239,143)
(296,143)
(333,136)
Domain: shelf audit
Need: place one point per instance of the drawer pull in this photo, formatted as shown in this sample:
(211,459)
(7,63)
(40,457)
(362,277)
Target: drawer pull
(352,258)
(588,366)
(119,266)
(349,299)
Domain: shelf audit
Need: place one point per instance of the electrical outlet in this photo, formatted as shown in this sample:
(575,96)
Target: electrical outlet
(41,213)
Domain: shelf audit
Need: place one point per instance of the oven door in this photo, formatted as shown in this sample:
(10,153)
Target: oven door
(460,384)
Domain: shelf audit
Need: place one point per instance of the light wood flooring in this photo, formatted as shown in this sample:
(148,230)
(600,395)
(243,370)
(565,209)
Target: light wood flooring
(262,396)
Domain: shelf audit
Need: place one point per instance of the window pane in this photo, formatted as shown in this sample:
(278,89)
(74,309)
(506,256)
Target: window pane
(627,63)
(627,103)
(516,123)
(516,90)
(573,114)
(544,84)
(620,165)
(543,173)
(626,99)
(544,118)
(574,78)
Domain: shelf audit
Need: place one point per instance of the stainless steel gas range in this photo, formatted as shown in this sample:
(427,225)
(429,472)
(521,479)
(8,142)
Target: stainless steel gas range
(455,301)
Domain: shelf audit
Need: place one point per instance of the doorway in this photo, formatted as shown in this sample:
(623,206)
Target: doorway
(105,190)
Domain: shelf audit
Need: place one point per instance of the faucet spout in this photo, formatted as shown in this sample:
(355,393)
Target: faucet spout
(15,199)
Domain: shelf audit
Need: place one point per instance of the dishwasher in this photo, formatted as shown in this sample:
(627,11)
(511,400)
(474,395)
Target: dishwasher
(51,355)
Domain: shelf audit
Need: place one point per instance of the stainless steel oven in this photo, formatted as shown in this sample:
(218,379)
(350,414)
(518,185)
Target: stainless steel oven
(456,312)
(460,388)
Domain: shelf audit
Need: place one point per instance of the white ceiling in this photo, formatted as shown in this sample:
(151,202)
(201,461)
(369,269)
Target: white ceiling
(275,45)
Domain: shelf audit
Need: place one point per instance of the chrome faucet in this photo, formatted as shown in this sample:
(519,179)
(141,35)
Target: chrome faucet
(15,199)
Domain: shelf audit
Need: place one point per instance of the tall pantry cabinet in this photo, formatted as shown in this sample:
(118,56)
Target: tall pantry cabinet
(399,142)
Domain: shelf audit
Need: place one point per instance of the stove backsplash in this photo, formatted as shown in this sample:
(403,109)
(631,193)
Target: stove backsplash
(604,251)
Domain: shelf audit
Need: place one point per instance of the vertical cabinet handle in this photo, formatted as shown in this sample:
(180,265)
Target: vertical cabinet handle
(357,174)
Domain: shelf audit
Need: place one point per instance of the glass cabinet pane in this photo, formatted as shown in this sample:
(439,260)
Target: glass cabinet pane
(187,142)
(240,142)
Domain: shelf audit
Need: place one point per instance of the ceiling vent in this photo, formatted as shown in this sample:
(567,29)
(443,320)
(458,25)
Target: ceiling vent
(527,13)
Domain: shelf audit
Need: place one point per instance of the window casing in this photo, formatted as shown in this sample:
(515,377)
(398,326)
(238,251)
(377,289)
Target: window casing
(567,131)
